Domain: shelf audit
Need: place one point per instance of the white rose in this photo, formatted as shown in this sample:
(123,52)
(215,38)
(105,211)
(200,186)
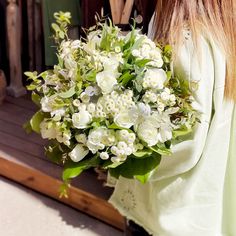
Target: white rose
(81,119)
(106,80)
(112,61)
(46,103)
(165,96)
(136,53)
(148,133)
(59,112)
(47,133)
(165,133)
(95,138)
(63,137)
(154,78)
(124,119)
(78,153)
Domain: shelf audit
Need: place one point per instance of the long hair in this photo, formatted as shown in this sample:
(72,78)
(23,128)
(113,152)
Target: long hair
(216,17)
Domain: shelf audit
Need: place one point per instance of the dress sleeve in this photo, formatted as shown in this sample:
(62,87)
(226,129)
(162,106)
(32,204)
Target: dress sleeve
(194,66)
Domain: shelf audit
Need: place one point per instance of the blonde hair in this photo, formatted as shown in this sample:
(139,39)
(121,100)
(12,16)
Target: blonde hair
(216,17)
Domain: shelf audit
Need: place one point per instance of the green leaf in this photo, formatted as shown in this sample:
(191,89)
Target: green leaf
(136,167)
(109,164)
(114,126)
(64,189)
(144,178)
(91,76)
(32,86)
(169,74)
(161,149)
(32,75)
(74,169)
(138,43)
(142,63)
(181,132)
(68,93)
(124,76)
(27,127)
(167,49)
(36,121)
(127,79)
(55,27)
(143,153)
(36,98)
(61,34)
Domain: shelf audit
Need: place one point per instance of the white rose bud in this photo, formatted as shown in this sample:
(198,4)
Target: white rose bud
(104,156)
(165,96)
(78,153)
(106,80)
(148,133)
(81,119)
(116,159)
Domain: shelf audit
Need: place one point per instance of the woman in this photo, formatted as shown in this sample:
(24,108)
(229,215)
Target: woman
(192,192)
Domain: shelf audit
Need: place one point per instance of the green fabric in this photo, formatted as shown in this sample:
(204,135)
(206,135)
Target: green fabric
(230,184)
(49,8)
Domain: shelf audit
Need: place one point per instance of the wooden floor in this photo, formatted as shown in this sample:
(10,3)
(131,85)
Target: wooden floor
(22,159)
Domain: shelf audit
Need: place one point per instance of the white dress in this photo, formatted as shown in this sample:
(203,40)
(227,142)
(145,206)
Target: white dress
(193,192)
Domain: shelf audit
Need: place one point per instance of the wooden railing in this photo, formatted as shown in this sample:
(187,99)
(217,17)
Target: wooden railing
(16,87)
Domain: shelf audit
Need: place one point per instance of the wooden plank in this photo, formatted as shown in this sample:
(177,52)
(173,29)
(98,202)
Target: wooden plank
(17,120)
(21,145)
(19,132)
(117,7)
(78,199)
(15,110)
(87,181)
(24,102)
(127,12)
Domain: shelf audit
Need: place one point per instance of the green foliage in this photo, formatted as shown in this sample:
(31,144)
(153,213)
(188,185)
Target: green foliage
(54,153)
(36,121)
(74,169)
(182,131)
(161,149)
(61,26)
(35,98)
(143,153)
(139,167)
(68,93)
(27,127)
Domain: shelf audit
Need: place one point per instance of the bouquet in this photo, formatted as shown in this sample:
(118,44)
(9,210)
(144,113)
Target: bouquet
(112,102)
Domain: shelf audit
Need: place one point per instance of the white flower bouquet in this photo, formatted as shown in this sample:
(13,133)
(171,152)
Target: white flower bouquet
(111,102)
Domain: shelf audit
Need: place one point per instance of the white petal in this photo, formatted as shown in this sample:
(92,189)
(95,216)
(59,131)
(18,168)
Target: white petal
(78,153)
